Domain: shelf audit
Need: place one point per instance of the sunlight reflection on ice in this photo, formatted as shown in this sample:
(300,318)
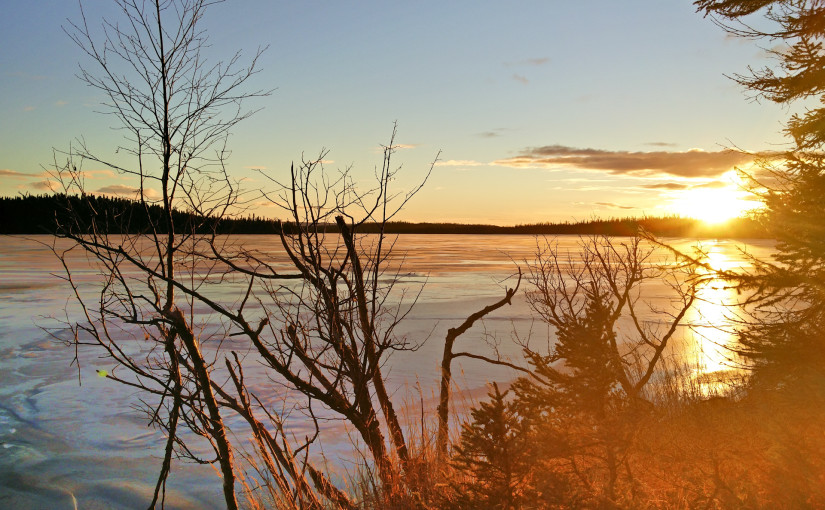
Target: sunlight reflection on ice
(712,323)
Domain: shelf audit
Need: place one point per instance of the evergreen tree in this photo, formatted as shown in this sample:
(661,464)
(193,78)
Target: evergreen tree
(575,400)
(585,399)
(496,453)
(785,342)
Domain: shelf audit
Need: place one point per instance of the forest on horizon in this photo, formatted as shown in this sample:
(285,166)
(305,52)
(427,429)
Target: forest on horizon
(43,214)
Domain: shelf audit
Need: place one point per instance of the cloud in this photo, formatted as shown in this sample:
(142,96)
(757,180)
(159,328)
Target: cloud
(615,206)
(398,146)
(588,179)
(679,186)
(529,62)
(5,172)
(85,174)
(96,174)
(60,103)
(29,108)
(692,163)
(118,189)
(667,186)
(520,78)
(128,191)
(712,184)
(661,144)
(492,133)
(27,76)
(46,185)
(459,162)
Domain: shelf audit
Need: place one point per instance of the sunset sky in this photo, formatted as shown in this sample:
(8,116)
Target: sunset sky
(542,111)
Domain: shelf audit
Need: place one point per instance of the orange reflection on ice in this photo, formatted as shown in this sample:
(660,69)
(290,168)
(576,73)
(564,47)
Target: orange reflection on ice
(711,323)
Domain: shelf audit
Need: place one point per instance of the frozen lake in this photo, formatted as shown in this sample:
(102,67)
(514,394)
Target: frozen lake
(70,439)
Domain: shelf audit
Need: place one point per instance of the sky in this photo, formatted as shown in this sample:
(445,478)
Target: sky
(536,111)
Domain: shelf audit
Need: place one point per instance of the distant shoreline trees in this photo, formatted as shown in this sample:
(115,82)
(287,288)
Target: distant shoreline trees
(42,214)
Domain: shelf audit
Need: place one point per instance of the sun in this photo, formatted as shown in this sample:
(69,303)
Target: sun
(713,205)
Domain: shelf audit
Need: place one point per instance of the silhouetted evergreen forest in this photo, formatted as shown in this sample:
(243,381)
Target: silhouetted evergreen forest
(42,214)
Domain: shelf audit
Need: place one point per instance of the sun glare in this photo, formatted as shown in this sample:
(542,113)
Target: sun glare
(713,205)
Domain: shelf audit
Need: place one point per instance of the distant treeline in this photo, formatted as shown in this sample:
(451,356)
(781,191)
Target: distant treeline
(43,214)
(46,214)
(668,226)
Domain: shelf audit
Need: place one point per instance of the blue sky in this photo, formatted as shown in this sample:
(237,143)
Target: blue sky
(542,111)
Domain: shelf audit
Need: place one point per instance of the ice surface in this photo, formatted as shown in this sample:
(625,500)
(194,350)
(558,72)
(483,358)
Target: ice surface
(65,442)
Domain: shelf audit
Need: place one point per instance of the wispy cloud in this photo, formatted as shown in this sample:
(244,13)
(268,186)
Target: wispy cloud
(46,185)
(661,144)
(5,172)
(118,189)
(692,163)
(97,174)
(679,186)
(520,78)
(538,61)
(615,206)
(129,191)
(667,186)
(588,179)
(398,146)
(528,62)
(712,184)
(60,103)
(492,133)
(103,173)
(27,76)
(29,108)
(459,162)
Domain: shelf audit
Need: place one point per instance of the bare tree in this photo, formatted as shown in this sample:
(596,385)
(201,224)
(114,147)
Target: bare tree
(176,110)
(329,335)
(321,327)
(449,355)
(324,329)
(604,287)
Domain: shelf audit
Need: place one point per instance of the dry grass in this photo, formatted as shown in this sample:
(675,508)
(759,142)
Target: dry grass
(719,446)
